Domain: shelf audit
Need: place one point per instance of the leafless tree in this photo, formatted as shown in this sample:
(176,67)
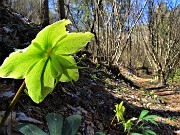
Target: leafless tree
(163,47)
(61,9)
(44,13)
(126,31)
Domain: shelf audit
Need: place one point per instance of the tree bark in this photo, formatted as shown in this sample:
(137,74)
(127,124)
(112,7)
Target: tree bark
(161,78)
(44,13)
(61,9)
(1,2)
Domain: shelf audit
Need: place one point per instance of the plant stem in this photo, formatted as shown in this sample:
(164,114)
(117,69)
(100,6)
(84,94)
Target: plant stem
(12,104)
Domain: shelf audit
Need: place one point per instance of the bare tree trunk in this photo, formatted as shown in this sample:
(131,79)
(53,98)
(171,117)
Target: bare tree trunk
(44,13)
(161,78)
(163,44)
(1,2)
(61,9)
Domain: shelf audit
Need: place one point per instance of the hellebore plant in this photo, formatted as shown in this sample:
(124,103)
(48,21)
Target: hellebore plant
(135,123)
(56,125)
(46,61)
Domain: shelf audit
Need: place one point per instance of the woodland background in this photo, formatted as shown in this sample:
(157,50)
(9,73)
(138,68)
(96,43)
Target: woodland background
(134,57)
(138,34)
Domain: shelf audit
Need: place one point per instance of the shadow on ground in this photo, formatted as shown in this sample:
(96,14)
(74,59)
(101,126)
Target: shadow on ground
(91,98)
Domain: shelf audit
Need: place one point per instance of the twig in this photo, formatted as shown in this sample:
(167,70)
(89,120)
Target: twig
(12,104)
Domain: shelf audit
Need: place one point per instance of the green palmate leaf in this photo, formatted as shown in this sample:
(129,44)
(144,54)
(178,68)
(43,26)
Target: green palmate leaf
(50,35)
(71,125)
(128,125)
(146,127)
(53,70)
(150,132)
(29,129)
(136,134)
(56,68)
(47,60)
(150,117)
(17,65)
(143,113)
(69,75)
(67,62)
(55,123)
(120,109)
(72,43)
(34,82)
(153,122)
(47,81)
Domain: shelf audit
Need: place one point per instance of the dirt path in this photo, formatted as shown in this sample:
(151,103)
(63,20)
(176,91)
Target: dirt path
(170,94)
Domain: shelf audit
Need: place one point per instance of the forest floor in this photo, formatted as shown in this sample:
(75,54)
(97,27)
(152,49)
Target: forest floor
(94,97)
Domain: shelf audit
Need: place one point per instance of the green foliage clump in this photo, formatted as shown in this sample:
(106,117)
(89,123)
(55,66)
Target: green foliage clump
(175,77)
(56,125)
(135,124)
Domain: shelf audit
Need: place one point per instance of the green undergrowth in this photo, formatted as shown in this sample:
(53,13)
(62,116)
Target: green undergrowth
(175,77)
(135,126)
